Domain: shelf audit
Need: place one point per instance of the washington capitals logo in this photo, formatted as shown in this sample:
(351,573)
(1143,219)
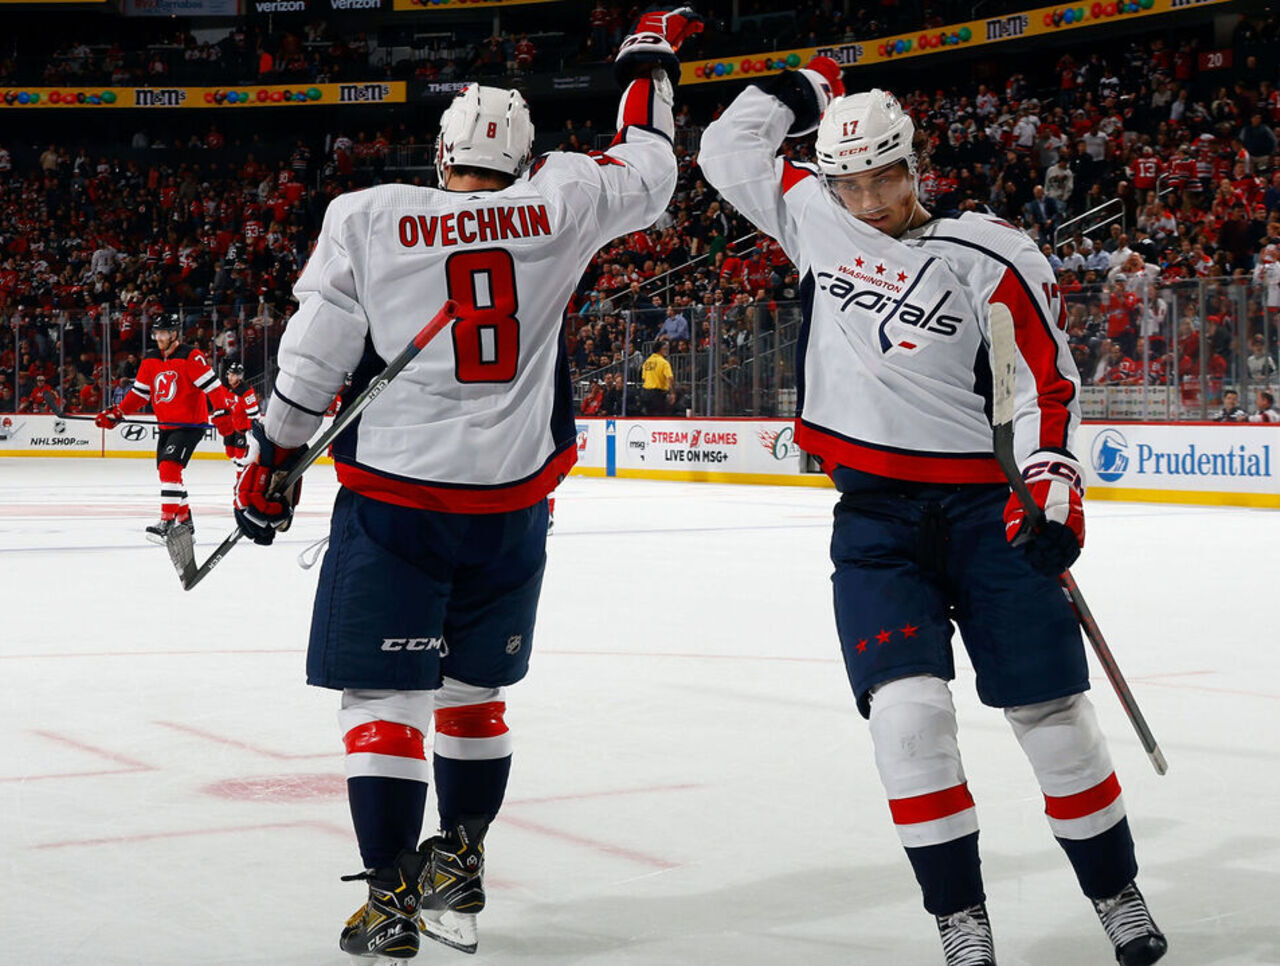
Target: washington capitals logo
(885,293)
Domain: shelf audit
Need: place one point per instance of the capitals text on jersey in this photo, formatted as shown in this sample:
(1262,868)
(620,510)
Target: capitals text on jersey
(482,224)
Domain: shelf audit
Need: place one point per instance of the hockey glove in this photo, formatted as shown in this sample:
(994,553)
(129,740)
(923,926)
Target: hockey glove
(260,510)
(108,418)
(653,44)
(224,421)
(1056,482)
(808,92)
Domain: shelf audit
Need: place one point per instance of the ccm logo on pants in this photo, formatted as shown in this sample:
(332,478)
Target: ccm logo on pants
(415,644)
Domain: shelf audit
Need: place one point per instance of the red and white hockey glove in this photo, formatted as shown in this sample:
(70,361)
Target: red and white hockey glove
(1056,482)
(224,421)
(108,418)
(829,80)
(653,44)
(260,510)
(808,91)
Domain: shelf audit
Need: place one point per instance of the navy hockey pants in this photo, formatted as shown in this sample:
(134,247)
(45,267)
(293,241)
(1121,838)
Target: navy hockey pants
(914,560)
(407,596)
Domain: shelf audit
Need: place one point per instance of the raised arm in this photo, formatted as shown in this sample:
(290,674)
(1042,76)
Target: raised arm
(628,186)
(739,152)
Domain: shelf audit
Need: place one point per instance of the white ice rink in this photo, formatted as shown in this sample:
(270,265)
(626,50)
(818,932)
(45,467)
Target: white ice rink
(692,784)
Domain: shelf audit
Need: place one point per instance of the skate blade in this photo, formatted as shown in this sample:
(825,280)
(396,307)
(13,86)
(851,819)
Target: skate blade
(454,929)
(155,538)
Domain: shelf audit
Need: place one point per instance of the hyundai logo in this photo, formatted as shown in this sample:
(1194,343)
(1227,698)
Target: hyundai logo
(134,432)
(1110,455)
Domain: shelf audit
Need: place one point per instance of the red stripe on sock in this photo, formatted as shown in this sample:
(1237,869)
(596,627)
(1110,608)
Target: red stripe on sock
(934,805)
(472,720)
(1083,803)
(385,738)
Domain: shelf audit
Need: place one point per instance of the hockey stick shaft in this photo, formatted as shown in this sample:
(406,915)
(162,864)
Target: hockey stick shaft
(141,422)
(1004,368)
(448,312)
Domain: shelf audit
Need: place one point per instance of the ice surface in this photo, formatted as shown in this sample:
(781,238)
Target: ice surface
(692,784)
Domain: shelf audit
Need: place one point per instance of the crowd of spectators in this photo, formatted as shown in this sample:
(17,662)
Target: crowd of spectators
(1191,160)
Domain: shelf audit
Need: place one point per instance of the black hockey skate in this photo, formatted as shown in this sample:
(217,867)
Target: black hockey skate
(386,926)
(1130,928)
(157,532)
(966,937)
(449,909)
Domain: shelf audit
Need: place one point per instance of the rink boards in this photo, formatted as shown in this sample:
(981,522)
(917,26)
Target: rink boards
(1199,463)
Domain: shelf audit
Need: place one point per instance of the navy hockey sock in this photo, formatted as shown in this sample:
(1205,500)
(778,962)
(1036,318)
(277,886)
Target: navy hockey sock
(387,815)
(1105,863)
(470,788)
(949,874)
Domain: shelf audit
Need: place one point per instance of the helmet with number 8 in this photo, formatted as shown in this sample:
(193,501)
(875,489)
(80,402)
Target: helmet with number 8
(864,131)
(485,127)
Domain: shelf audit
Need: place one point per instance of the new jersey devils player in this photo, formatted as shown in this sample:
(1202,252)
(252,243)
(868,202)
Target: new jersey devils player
(177,381)
(245,412)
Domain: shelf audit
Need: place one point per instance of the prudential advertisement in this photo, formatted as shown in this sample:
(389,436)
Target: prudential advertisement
(1235,465)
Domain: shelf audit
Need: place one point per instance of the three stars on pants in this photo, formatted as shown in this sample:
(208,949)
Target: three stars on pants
(908,630)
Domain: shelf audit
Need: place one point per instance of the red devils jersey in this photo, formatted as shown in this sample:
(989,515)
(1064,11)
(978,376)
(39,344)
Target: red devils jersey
(1145,172)
(177,387)
(244,405)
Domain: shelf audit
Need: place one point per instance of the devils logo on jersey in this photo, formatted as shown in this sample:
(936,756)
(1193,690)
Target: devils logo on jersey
(165,388)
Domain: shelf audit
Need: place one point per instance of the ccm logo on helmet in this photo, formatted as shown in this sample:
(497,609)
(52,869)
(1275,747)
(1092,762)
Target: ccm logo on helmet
(416,644)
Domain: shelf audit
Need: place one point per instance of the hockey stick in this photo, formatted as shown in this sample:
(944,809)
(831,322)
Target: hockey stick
(140,422)
(1004,356)
(178,540)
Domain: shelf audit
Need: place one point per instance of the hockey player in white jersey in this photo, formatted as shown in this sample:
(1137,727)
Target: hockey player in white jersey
(428,591)
(894,399)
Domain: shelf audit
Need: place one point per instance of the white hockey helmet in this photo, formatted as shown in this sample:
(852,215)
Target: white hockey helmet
(485,127)
(864,131)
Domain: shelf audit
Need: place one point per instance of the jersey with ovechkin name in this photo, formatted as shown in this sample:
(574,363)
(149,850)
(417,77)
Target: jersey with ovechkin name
(892,362)
(482,420)
(179,387)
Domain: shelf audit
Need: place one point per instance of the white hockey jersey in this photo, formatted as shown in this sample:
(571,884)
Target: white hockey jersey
(892,366)
(482,420)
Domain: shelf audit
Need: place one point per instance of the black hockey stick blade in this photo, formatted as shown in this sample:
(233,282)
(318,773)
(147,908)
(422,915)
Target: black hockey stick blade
(178,541)
(448,312)
(1004,362)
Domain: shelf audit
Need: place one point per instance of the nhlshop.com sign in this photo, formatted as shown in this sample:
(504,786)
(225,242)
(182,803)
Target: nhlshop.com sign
(1231,464)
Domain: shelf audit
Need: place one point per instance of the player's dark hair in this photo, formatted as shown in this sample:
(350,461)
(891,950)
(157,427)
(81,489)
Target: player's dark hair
(471,171)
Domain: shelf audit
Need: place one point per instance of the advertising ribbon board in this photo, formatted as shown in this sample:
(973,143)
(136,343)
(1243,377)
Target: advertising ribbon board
(1041,21)
(453,6)
(226,98)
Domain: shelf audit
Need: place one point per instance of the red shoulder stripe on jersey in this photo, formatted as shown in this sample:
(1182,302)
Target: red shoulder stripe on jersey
(385,738)
(792,175)
(1040,350)
(637,103)
(604,160)
(835,450)
(931,806)
(537,165)
(472,720)
(1083,803)
(458,498)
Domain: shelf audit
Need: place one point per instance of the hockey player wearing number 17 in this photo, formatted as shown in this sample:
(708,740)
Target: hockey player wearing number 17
(895,397)
(429,588)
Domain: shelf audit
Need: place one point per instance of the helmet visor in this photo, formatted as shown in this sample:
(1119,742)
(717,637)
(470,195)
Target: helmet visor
(872,194)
